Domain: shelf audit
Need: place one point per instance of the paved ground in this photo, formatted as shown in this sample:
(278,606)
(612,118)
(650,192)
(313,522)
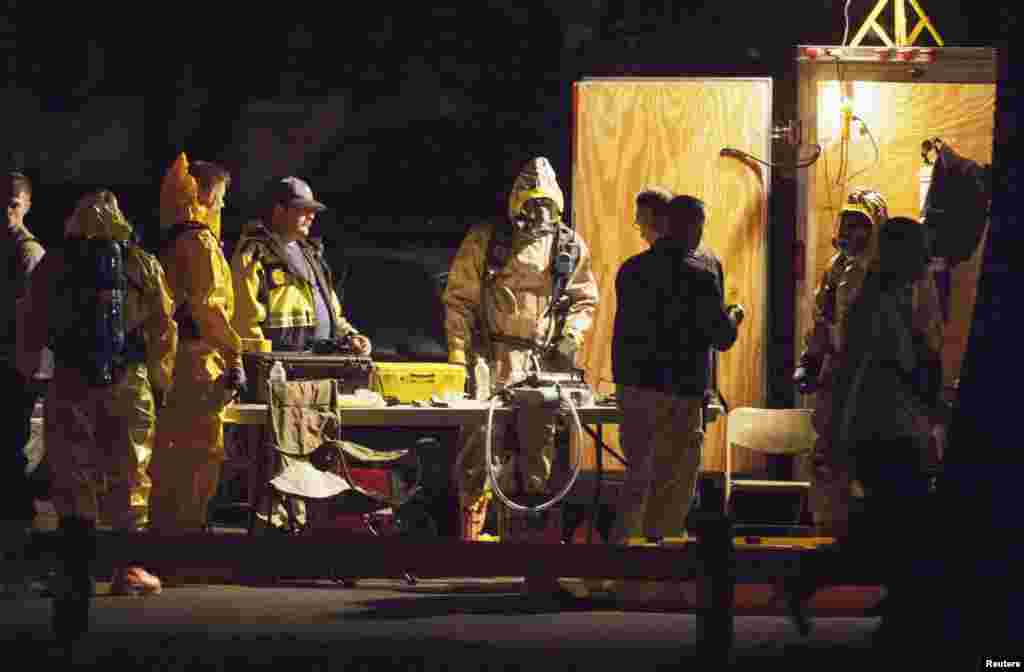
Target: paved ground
(435,625)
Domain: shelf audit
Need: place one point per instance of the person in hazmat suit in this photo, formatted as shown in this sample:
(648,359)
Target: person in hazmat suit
(833,487)
(285,290)
(100,411)
(208,371)
(520,293)
(857,252)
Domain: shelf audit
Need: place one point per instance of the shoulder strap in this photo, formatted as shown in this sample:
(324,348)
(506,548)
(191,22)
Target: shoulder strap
(261,236)
(178,229)
(144,257)
(499,249)
(322,273)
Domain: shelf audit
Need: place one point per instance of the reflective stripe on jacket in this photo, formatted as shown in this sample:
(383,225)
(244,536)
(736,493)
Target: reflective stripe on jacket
(275,300)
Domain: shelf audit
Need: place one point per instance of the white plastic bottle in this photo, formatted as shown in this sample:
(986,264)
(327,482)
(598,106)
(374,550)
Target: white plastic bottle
(482,378)
(277,373)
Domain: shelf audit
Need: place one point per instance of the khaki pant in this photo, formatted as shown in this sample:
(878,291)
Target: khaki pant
(662,437)
(831,481)
(99,443)
(525,459)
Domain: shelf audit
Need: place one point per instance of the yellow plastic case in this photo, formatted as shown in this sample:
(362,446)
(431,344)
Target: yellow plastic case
(414,381)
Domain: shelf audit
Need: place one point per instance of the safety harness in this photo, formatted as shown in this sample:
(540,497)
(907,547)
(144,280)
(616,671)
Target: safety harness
(565,255)
(66,336)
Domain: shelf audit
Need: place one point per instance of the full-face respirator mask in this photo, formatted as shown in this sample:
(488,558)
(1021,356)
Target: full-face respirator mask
(537,215)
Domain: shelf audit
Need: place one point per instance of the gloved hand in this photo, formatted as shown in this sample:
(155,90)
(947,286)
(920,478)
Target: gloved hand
(159,399)
(736,313)
(361,344)
(806,376)
(565,350)
(713,407)
(235,379)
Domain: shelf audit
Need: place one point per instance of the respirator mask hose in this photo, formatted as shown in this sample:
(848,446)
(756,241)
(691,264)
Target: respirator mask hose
(492,476)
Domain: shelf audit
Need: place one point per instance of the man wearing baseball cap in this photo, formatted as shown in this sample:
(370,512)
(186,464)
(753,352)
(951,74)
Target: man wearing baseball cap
(284,289)
(283,286)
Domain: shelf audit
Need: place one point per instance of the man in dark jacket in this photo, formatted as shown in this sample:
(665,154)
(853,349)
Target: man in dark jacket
(19,254)
(670,314)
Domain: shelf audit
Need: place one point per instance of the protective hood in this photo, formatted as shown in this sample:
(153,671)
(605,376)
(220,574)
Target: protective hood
(872,205)
(536,180)
(179,199)
(95,218)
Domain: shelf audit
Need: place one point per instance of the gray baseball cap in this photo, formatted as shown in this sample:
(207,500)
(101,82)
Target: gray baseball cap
(293,192)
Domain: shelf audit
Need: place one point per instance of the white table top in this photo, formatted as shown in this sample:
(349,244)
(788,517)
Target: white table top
(417,416)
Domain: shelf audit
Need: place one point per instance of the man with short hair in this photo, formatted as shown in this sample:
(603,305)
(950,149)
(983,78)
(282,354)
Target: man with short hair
(20,253)
(670,314)
(652,219)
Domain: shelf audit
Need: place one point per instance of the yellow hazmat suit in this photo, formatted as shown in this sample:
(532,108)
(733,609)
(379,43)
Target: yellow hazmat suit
(839,287)
(511,307)
(99,439)
(190,436)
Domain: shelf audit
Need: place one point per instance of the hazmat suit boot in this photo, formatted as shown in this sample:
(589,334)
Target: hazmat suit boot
(543,527)
(472,515)
(75,586)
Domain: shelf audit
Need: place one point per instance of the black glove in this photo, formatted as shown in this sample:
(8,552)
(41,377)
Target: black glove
(713,406)
(235,379)
(736,312)
(336,345)
(159,399)
(326,346)
(806,375)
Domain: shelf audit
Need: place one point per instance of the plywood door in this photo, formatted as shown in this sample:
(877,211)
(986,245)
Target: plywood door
(630,133)
(899,116)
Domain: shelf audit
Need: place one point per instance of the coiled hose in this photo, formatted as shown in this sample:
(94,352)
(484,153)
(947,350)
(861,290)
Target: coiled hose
(492,476)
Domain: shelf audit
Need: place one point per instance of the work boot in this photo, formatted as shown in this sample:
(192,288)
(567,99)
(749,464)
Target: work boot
(15,574)
(75,587)
(134,581)
(796,592)
(544,527)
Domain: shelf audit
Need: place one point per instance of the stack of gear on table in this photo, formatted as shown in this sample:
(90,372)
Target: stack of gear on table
(397,382)
(520,296)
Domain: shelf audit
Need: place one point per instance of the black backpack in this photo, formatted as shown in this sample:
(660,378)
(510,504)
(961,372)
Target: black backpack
(90,331)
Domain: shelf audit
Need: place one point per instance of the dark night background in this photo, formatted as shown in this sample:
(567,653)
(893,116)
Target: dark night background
(396,113)
(411,121)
